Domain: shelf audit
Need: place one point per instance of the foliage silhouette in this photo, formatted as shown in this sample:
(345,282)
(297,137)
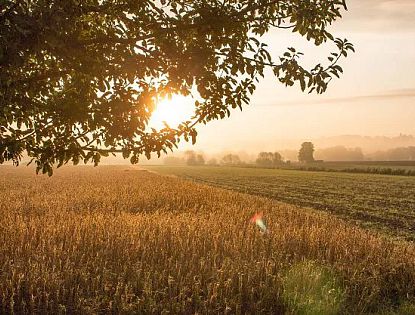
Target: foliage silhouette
(306,152)
(269,159)
(231,159)
(80,79)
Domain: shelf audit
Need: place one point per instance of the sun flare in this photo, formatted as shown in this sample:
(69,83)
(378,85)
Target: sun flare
(173,111)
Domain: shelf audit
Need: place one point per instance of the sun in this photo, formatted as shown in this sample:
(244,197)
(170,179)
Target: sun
(173,111)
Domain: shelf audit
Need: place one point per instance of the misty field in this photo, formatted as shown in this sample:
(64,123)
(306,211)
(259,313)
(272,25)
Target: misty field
(125,240)
(381,202)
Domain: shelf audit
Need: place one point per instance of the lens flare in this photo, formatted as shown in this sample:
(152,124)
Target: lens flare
(258,220)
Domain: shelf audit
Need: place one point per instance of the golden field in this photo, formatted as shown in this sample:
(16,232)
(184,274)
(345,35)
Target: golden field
(124,240)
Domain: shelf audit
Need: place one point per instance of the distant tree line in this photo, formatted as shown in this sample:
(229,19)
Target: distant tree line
(231,160)
(396,154)
(340,153)
(269,159)
(275,159)
(191,158)
(305,155)
(194,159)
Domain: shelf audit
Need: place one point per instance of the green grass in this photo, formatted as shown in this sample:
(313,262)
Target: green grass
(406,168)
(407,165)
(381,202)
(310,289)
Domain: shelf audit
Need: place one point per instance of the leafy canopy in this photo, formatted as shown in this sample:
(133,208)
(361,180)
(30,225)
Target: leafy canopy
(79,78)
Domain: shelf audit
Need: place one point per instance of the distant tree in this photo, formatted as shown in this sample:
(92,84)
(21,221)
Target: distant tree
(200,160)
(356,154)
(79,79)
(194,159)
(402,154)
(277,158)
(231,159)
(264,159)
(212,162)
(269,159)
(306,152)
(340,153)
(396,154)
(190,157)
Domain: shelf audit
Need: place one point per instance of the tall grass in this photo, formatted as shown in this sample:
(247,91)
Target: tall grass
(108,240)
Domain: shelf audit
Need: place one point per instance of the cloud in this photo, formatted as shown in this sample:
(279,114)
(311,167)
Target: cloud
(389,95)
(393,94)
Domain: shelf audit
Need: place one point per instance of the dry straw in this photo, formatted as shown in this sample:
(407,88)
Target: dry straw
(109,240)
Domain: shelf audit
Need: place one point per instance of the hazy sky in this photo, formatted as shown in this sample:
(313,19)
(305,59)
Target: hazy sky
(375,96)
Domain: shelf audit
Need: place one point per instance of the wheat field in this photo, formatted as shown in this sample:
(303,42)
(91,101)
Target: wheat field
(124,240)
(382,203)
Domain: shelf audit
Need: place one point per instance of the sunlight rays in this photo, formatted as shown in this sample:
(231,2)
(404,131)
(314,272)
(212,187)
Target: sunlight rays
(173,111)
